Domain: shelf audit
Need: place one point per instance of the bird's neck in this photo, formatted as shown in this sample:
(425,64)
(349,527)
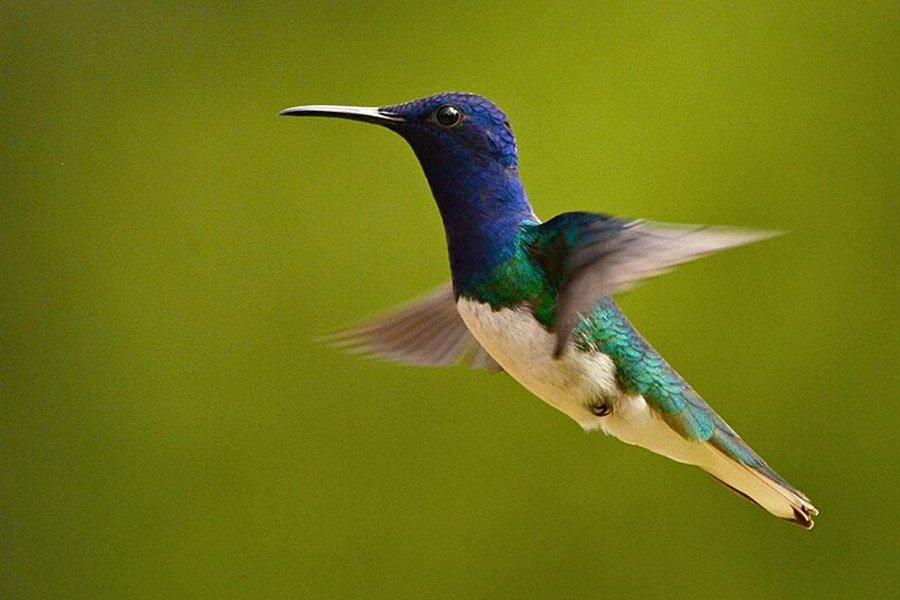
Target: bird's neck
(483,206)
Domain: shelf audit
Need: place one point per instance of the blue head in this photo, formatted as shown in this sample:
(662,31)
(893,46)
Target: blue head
(468,153)
(450,127)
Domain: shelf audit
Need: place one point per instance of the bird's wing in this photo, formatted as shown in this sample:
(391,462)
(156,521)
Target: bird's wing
(425,332)
(590,256)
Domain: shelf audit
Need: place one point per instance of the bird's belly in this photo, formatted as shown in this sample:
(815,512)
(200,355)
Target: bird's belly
(571,383)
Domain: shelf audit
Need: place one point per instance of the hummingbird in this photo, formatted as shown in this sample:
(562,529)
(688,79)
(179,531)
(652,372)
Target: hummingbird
(535,298)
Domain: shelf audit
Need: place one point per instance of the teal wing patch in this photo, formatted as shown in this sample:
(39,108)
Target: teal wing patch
(641,370)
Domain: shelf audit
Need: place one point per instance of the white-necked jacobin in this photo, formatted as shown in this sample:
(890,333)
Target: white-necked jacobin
(534,299)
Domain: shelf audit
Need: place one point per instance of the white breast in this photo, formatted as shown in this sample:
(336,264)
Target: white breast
(571,383)
(525,350)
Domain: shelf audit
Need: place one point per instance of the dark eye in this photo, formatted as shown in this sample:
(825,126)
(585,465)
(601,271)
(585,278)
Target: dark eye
(447,115)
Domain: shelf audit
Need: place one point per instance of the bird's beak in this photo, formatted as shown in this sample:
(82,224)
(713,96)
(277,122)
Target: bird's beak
(379,116)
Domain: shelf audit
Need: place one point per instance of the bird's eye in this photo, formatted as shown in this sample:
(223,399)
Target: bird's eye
(447,115)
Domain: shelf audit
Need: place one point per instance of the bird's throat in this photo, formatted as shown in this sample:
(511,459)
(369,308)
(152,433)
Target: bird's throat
(483,209)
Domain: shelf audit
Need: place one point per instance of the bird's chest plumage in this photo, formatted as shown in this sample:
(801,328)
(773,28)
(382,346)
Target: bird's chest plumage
(573,383)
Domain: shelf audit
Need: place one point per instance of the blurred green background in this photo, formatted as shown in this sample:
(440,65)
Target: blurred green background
(171,249)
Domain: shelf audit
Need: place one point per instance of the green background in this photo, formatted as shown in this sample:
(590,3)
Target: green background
(171,249)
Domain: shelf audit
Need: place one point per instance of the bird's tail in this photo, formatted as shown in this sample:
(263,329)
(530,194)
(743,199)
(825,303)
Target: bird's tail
(761,485)
(724,455)
(730,460)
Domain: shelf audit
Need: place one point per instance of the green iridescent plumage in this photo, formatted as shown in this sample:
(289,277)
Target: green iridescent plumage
(520,280)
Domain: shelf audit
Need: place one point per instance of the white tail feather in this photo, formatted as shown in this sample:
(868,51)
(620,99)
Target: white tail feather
(633,421)
(756,486)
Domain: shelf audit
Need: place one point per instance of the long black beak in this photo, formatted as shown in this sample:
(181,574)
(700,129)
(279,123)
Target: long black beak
(354,113)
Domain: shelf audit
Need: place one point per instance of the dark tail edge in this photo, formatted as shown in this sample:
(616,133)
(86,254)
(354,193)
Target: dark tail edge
(802,516)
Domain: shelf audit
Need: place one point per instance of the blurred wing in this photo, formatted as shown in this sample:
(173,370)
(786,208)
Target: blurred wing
(592,256)
(424,332)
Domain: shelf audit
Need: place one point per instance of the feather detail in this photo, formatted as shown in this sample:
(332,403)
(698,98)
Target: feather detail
(425,332)
(592,256)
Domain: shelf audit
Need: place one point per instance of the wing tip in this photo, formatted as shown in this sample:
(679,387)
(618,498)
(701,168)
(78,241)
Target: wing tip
(361,341)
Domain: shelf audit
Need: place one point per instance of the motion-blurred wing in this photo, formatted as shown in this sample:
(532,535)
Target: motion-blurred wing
(424,332)
(590,256)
